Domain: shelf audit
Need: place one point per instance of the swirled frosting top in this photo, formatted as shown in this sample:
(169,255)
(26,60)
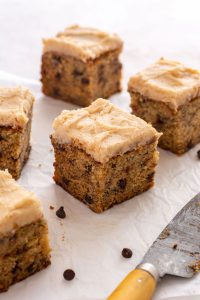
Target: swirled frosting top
(102,130)
(167,81)
(18,207)
(82,42)
(15,104)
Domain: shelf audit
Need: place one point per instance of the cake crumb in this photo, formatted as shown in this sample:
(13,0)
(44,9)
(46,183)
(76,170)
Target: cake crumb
(164,234)
(175,246)
(51,207)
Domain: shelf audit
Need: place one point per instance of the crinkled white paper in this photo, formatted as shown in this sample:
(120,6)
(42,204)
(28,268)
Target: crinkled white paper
(91,243)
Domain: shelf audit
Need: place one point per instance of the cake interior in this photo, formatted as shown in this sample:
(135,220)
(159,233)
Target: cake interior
(180,128)
(68,78)
(23,253)
(14,148)
(101,185)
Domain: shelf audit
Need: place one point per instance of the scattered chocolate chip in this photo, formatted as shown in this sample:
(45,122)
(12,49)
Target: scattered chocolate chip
(51,207)
(58,76)
(122,183)
(60,213)
(175,246)
(69,274)
(85,80)
(77,73)
(127,253)
(198,154)
(88,199)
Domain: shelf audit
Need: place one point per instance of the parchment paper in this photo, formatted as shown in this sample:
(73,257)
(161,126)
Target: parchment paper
(91,243)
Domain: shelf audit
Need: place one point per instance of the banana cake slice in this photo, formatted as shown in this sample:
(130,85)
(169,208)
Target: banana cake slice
(81,64)
(103,155)
(167,95)
(24,245)
(16,106)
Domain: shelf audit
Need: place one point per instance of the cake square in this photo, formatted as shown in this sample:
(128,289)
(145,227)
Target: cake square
(15,126)
(167,95)
(24,245)
(103,155)
(81,64)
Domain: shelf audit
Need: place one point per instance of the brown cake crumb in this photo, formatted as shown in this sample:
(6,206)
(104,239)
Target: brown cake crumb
(127,253)
(198,154)
(51,207)
(69,274)
(60,213)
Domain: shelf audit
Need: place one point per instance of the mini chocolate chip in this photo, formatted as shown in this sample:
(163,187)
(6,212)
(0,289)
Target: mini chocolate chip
(77,73)
(85,80)
(56,92)
(122,183)
(198,154)
(69,274)
(60,213)
(175,246)
(190,145)
(65,180)
(88,199)
(88,168)
(58,76)
(57,58)
(127,253)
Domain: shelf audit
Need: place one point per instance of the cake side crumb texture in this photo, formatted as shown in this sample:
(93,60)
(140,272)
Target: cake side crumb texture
(167,81)
(83,42)
(18,206)
(102,130)
(15,104)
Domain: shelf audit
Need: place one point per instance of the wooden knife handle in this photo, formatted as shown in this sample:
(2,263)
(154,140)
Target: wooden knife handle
(138,285)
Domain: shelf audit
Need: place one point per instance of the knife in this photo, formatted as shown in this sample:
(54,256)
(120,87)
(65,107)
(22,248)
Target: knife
(176,251)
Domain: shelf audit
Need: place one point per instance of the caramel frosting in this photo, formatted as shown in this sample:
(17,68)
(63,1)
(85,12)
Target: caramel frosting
(82,42)
(18,207)
(15,104)
(167,81)
(102,130)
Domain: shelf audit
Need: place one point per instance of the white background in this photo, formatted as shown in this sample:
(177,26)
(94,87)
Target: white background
(92,243)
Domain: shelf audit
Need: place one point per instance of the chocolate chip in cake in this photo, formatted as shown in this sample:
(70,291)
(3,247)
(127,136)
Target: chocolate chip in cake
(69,274)
(58,76)
(56,59)
(127,253)
(77,72)
(198,154)
(88,168)
(101,74)
(85,81)
(56,92)
(60,213)
(113,166)
(122,183)
(88,199)
(65,180)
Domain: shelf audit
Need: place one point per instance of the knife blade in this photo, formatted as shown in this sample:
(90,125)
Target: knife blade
(176,251)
